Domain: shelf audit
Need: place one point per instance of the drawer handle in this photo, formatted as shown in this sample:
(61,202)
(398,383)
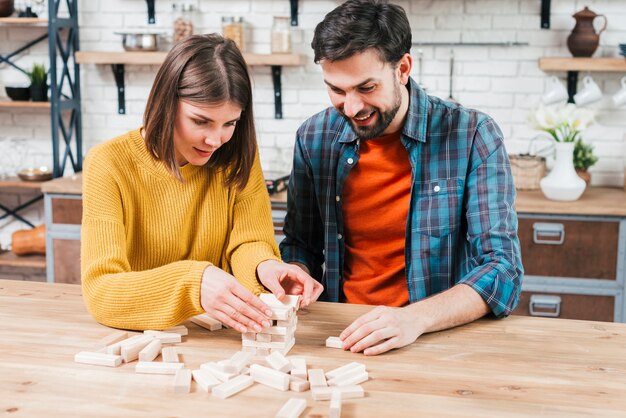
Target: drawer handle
(543,230)
(550,306)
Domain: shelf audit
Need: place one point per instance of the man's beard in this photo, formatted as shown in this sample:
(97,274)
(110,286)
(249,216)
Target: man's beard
(383,119)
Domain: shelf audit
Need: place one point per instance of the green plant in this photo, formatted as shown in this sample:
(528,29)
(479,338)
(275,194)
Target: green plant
(38,75)
(583,155)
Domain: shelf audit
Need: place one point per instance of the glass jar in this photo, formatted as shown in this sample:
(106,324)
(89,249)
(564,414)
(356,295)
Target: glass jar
(281,35)
(233,28)
(183,25)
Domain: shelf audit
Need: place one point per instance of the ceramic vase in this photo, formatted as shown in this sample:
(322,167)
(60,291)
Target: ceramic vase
(563,183)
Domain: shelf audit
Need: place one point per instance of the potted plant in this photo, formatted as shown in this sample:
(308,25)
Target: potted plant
(38,83)
(583,159)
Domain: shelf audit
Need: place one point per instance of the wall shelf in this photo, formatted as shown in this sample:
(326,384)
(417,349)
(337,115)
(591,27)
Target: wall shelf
(574,65)
(23,21)
(118,60)
(8,259)
(5,104)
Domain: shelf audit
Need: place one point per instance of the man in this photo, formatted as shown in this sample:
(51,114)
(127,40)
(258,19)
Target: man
(397,198)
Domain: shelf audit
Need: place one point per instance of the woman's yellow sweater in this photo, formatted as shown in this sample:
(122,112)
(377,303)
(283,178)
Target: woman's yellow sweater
(146,237)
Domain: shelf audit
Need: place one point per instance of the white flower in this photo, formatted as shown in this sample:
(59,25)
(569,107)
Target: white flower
(563,122)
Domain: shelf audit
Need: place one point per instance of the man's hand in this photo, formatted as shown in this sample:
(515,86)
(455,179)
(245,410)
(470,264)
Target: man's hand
(222,297)
(282,278)
(380,330)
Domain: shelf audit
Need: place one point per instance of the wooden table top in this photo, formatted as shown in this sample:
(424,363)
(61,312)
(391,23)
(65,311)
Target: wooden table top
(516,367)
(599,201)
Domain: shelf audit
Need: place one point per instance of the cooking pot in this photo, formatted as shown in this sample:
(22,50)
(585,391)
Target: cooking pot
(140,40)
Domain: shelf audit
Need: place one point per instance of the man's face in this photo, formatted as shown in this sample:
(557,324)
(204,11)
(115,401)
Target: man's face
(366,91)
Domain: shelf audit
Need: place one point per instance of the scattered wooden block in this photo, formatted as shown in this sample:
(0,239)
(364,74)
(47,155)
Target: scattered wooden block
(335,405)
(165,337)
(116,348)
(169,355)
(278,362)
(130,352)
(151,351)
(182,381)
(270,345)
(293,408)
(178,329)
(317,378)
(298,367)
(269,377)
(217,371)
(320,393)
(233,386)
(205,380)
(298,385)
(237,362)
(350,379)
(207,321)
(110,339)
(98,359)
(157,367)
(344,369)
(334,342)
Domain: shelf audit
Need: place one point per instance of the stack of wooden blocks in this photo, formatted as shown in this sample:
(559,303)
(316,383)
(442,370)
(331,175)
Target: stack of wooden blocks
(280,336)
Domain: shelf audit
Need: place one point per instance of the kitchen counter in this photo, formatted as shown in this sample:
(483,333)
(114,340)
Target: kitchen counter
(64,185)
(516,367)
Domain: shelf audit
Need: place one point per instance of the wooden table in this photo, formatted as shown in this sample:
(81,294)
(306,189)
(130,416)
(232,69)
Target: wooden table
(516,367)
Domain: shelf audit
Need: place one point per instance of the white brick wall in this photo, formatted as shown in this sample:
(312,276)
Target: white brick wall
(501,81)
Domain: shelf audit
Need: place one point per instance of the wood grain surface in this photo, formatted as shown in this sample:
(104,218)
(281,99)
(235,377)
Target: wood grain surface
(516,367)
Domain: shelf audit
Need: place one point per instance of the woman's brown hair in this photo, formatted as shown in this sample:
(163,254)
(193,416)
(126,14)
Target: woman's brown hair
(203,69)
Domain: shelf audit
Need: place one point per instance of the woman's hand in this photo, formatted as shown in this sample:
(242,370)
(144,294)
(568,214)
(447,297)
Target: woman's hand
(229,302)
(282,278)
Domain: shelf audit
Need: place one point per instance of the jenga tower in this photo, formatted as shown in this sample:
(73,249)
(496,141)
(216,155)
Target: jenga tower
(280,336)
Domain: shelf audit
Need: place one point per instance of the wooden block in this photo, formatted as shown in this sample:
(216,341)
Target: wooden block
(334,342)
(169,355)
(288,302)
(278,362)
(233,386)
(178,329)
(285,350)
(248,336)
(335,405)
(299,367)
(205,380)
(130,352)
(355,369)
(110,339)
(98,359)
(317,378)
(270,345)
(320,393)
(263,338)
(217,371)
(298,385)
(117,347)
(269,377)
(280,314)
(207,321)
(283,330)
(350,379)
(291,322)
(262,352)
(182,381)
(237,362)
(157,367)
(344,369)
(165,337)
(151,351)
(293,408)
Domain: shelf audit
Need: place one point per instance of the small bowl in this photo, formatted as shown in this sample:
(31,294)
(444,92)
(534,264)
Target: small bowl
(42,173)
(18,93)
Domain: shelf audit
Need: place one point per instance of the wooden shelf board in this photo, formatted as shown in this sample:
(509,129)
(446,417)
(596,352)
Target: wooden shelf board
(582,64)
(23,21)
(8,259)
(7,104)
(19,183)
(157,57)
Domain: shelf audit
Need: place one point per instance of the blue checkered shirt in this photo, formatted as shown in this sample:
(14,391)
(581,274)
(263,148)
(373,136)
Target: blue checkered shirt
(461,226)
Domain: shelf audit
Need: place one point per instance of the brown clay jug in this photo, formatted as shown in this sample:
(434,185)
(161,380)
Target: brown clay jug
(29,241)
(583,41)
(6,8)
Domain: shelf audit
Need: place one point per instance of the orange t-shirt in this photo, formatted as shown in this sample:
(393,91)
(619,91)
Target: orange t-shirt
(376,199)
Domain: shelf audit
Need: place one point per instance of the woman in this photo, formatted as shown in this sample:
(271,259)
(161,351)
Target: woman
(173,212)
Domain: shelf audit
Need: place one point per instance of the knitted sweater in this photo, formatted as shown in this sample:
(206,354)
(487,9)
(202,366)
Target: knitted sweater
(147,238)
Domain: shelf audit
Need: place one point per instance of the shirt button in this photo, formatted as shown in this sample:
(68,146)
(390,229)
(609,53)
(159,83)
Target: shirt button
(339,236)
(436,188)
(350,160)
(337,198)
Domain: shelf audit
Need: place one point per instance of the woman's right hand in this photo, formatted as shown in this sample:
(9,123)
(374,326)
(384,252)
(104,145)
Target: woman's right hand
(223,298)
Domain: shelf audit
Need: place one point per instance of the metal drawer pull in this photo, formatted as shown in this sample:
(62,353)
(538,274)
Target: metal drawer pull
(545,230)
(545,302)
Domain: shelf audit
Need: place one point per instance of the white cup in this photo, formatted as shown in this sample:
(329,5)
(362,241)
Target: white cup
(619,98)
(556,92)
(589,93)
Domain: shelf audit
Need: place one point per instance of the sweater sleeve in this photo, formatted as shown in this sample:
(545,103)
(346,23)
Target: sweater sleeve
(252,237)
(115,295)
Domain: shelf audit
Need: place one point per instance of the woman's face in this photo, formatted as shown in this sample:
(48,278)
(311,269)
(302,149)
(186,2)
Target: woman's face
(200,129)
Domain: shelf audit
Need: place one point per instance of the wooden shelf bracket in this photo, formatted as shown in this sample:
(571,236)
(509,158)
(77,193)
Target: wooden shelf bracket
(545,14)
(572,82)
(278,94)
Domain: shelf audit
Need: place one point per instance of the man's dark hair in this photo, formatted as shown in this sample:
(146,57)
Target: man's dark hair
(358,25)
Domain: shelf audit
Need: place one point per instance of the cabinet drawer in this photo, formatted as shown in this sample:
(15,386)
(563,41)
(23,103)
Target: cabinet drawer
(588,248)
(66,211)
(66,254)
(585,307)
